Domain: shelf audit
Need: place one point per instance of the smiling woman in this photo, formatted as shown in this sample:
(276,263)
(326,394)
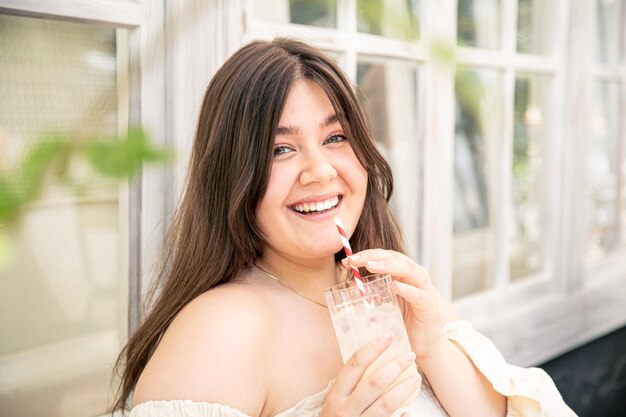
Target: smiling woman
(239,329)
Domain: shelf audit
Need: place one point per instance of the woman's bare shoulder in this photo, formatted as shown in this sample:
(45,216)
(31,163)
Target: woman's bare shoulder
(215,351)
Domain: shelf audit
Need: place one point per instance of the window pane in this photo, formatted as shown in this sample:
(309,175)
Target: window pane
(390,91)
(478,128)
(609,30)
(529,182)
(479,23)
(304,12)
(535,24)
(60,309)
(394,19)
(602,170)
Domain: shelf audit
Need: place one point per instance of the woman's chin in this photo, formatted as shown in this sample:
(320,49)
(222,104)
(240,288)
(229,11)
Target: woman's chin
(321,251)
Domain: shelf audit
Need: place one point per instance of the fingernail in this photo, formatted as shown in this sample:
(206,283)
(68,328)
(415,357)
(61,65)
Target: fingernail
(355,258)
(410,356)
(386,337)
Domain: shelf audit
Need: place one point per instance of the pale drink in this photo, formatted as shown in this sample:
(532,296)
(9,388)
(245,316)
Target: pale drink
(358,318)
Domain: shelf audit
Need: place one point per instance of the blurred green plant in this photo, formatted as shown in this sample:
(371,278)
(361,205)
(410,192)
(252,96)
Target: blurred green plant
(50,161)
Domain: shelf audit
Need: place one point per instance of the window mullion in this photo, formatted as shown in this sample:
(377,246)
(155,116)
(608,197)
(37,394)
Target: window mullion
(123,123)
(553,204)
(502,201)
(577,96)
(620,199)
(348,25)
(438,151)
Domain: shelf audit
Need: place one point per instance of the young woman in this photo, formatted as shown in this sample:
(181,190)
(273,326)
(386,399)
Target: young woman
(240,327)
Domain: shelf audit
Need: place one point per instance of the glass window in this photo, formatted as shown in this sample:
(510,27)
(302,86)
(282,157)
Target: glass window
(397,19)
(322,13)
(529,177)
(609,27)
(602,174)
(478,129)
(61,313)
(478,23)
(390,90)
(535,26)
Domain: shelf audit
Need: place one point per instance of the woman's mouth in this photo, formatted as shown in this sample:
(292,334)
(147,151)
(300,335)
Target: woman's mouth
(317,207)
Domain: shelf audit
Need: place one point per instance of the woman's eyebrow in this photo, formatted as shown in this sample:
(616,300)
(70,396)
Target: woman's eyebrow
(295,130)
(329,120)
(288,130)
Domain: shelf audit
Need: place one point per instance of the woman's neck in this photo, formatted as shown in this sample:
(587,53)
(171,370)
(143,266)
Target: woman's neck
(304,275)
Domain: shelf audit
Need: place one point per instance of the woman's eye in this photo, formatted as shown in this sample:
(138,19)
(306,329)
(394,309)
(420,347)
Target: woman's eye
(336,139)
(281,150)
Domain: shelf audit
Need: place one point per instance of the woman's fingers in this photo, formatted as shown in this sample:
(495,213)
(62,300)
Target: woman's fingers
(410,293)
(374,394)
(420,300)
(354,369)
(401,267)
(379,380)
(393,399)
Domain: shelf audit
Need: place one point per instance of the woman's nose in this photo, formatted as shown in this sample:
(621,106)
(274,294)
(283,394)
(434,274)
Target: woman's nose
(317,167)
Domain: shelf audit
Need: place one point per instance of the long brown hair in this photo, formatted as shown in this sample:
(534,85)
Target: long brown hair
(214,235)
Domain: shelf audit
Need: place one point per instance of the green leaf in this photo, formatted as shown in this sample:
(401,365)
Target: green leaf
(9,201)
(123,157)
(24,183)
(31,173)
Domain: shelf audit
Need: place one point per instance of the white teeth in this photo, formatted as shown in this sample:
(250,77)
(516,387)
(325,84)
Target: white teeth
(317,206)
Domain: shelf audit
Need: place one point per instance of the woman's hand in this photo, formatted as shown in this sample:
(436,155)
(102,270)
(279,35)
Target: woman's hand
(417,295)
(354,394)
(459,386)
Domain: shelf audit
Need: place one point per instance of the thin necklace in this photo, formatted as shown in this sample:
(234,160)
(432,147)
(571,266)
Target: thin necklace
(289,288)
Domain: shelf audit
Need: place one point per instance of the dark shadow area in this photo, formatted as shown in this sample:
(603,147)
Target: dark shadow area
(592,378)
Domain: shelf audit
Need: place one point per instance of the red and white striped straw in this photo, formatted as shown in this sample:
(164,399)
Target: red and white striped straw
(348,250)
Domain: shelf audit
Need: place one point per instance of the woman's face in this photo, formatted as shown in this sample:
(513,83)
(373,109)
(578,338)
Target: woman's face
(315,177)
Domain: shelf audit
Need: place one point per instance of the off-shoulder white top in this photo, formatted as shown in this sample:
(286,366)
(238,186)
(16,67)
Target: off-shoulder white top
(530,392)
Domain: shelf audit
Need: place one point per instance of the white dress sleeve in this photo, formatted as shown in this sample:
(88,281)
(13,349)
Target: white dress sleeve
(530,392)
(310,406)
(184,408)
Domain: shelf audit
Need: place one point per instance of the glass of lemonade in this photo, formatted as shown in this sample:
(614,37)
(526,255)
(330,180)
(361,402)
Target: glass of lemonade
(358,319)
